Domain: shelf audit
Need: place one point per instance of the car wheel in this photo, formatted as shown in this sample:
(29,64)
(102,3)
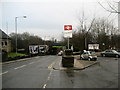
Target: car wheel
(89,59)
(116,56)
(95,59)
(103,55)
(81,58)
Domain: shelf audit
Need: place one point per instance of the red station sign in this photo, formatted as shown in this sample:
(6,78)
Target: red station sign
(67,27)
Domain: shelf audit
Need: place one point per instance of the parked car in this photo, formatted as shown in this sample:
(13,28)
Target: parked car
(60,53)
(110,53)
(118,50)
(89,55)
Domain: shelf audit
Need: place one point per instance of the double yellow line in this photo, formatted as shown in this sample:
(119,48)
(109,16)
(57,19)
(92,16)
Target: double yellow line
(51,65)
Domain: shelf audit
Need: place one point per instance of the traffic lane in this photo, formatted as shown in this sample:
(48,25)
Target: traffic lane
(109,63)
(105,74)
(27,69)
(25,79)
(102,75)
(31,76)
(60,79)
(20,62)
(12,65)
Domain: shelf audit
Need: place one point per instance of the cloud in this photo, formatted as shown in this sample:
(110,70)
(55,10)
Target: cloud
(47,16)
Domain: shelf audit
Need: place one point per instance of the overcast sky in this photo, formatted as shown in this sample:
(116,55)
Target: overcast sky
(46,18)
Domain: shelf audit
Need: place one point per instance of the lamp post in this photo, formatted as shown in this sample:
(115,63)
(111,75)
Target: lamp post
(16,29)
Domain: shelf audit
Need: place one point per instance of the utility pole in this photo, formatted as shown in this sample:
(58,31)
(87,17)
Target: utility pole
(7,34)
(16,33)
(16,29)
(68,42)
(119,15)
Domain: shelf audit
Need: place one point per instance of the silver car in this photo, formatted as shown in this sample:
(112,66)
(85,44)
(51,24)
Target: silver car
(110,53)
(88,55)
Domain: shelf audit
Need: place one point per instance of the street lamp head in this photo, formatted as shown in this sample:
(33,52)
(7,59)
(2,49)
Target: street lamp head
(21,17)
(24,16)
(103,44)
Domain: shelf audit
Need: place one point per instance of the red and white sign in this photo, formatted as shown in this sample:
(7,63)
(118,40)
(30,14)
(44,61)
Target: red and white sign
(68,31)
(67,27)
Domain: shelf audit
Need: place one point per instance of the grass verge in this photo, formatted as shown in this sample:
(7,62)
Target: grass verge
(13,54)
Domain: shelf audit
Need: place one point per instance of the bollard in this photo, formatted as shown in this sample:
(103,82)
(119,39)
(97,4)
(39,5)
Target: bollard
(67,58)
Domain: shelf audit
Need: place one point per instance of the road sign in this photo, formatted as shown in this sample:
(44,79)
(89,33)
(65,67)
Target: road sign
(68,34)
(67,27)
(68,31)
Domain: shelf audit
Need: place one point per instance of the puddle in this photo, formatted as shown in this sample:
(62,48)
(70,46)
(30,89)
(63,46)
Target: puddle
(70,73)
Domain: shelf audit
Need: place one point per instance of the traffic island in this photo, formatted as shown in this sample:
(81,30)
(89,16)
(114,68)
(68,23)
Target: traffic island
(78,65)
(82,64)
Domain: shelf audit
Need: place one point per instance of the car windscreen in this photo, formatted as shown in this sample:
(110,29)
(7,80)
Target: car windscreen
(86,52)
(114,51)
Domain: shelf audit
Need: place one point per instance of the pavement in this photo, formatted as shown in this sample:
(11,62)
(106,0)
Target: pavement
(78,65)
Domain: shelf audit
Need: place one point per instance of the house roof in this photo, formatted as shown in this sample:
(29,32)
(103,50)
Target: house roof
(3,35)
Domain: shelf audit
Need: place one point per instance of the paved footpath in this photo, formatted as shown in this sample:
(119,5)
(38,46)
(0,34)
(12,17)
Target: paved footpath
(78,65)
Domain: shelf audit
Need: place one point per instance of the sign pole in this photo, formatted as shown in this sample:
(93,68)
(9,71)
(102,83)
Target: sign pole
(68,33)
(68,42)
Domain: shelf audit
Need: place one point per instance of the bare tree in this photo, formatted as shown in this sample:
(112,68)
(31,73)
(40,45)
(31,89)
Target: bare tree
(112,8)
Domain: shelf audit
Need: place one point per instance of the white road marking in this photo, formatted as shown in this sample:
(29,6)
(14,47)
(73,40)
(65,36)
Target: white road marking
(23,59)
(48,79)
(20,67)
(31,63)
(8,62)
(18,60)
(15,61)
(36,57)
(44,85)
(60,62)
(3,73)
(49,67)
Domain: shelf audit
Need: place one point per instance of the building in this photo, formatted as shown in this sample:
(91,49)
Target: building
(5,42)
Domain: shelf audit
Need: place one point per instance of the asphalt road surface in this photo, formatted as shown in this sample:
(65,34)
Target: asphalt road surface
(38,72)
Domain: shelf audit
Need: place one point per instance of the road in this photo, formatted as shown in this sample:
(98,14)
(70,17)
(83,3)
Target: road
(38,72)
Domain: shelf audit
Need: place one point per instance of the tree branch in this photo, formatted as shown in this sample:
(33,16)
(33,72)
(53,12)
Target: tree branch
(114,11)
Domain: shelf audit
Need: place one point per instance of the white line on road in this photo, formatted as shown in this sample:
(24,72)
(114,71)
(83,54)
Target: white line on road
(3,73)
(49,67)
(9,62)
(23,59)
(44,85)
(37,57)
(20,67)
(15,61)
(18,60)
(31,63)
(60,63)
